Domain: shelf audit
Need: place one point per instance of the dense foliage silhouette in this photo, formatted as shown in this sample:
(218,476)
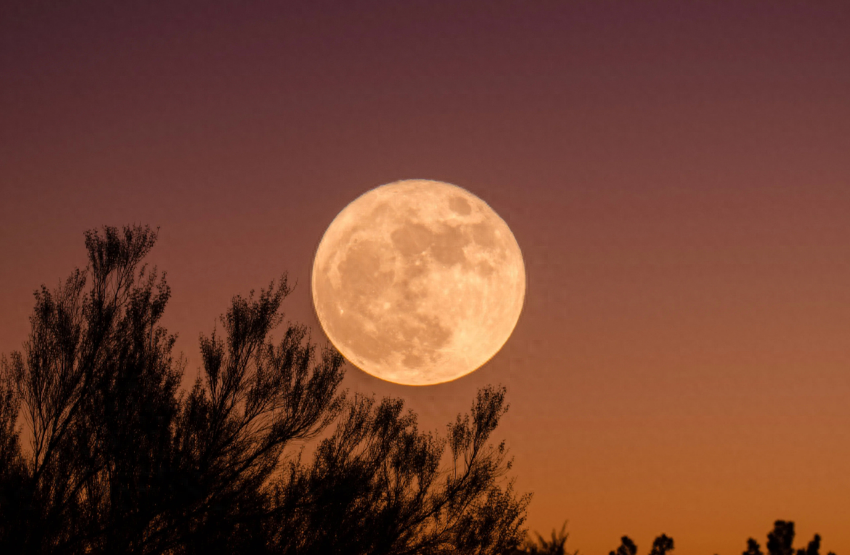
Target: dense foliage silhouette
(120,460)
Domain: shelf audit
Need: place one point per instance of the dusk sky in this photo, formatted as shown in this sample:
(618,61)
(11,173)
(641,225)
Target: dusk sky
(676,174)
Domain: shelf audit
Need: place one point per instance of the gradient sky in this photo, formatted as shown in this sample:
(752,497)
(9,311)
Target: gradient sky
(677,175)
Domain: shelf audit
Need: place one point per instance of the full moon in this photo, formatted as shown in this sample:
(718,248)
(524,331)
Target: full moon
(418,282)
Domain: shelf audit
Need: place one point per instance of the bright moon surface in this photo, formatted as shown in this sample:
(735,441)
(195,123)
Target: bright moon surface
(418,282)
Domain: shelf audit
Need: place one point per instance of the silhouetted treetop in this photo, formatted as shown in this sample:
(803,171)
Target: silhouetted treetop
(555,546)
(661,545)
(780,542)
(121,461)
(753,548)
(813,548)
(627,547)
(780,539)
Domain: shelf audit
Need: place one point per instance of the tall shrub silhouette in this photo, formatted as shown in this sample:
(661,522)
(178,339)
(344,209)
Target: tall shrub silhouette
(120,460)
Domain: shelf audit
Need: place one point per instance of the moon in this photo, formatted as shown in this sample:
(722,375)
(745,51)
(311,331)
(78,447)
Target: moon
(418,282)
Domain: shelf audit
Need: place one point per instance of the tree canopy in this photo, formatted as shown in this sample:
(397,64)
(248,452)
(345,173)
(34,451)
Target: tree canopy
(116,458)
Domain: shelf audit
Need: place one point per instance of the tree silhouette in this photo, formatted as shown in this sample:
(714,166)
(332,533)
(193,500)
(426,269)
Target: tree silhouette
(555,546)
(121,461)
(660,546)
(627,547)
(780,542)
(813,548)
(753,548)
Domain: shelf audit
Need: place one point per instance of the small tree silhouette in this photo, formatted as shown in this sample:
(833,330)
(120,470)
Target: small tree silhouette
(813,548)
(780,542)
(753,548)
(627,547)
(660,546)
(555,546)
(780,539)
(120,461)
